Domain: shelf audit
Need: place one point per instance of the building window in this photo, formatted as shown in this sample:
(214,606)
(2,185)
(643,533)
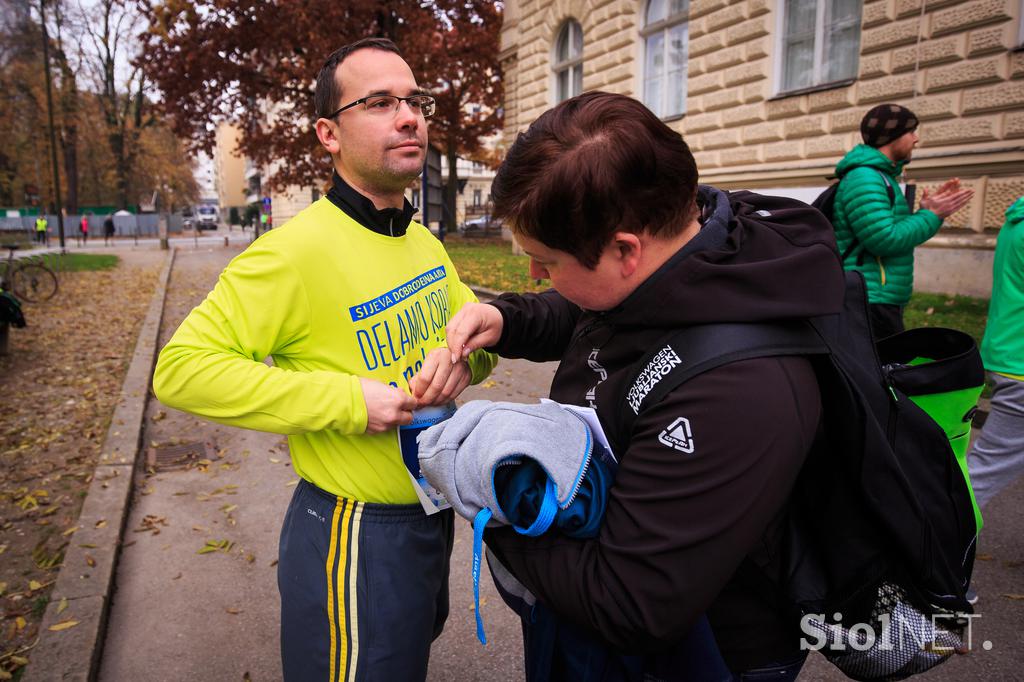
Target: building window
(415,198)
(568,66)
(477,196)
(820,42)
(665,35)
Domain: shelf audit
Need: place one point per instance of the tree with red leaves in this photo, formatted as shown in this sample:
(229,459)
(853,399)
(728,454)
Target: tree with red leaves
(255,64)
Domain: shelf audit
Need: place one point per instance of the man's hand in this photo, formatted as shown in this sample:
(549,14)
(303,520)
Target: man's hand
(476,325)
(386,406)
(439,381)
(947,199)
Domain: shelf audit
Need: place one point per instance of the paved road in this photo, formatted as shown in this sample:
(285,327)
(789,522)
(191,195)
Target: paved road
(180,615)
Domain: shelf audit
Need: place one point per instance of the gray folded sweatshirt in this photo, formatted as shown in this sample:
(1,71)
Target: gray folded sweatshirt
(459,456)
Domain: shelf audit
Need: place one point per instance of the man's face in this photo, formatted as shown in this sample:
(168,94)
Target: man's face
(599,289)
(379,152)
(903,146)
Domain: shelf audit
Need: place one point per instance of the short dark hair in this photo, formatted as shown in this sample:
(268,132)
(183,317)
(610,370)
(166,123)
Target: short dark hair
(327,96)
(594,165)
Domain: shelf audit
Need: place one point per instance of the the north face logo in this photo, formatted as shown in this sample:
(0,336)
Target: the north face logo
(678,435)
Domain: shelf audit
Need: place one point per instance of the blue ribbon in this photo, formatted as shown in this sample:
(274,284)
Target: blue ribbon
(546,515)
(479,524)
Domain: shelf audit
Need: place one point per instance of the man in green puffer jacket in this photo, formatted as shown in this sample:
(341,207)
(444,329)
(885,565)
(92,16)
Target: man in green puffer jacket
(875,230)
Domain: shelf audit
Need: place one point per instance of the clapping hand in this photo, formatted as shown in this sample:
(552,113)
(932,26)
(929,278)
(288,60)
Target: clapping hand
(947,199)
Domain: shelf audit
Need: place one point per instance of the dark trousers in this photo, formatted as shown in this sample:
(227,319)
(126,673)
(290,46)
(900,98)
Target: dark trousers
(364,588)
(886,319)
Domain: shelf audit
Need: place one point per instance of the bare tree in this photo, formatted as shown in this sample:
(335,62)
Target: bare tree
(112,27)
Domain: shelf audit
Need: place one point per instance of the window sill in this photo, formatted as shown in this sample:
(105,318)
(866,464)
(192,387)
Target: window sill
(673,118)
(814,88)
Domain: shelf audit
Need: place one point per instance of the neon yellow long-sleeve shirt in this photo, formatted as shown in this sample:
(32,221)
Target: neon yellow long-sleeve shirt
(330,301)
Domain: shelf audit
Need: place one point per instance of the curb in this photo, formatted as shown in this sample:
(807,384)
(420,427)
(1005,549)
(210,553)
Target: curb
(484,292)
(86,578)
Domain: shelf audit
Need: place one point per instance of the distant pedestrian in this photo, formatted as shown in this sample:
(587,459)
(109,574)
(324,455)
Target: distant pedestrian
(41,229)
(108,230)
(997,457)
(83,228)
(876,232)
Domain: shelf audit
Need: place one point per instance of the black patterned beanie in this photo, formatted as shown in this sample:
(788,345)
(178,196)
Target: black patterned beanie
(885,123)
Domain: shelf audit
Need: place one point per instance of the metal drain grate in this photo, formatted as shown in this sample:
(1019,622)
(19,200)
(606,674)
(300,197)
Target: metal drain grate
(180,456)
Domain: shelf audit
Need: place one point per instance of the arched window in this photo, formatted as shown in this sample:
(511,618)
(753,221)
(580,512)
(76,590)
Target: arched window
(666,34)
(568,65)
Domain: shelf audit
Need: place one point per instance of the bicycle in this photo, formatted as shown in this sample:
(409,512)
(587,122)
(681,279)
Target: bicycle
(30,280)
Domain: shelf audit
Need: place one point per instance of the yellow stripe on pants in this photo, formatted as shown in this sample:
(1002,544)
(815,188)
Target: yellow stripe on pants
(353,611)
(332,612)
(343,550)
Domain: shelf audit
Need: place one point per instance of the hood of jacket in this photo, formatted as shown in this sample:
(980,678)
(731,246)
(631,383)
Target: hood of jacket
(863,155)
(756,258)
(1015,213)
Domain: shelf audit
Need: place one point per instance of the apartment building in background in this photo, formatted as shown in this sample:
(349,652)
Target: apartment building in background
(769,94)
(229,168)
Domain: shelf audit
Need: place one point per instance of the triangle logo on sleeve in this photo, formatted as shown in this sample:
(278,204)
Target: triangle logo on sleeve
(678,436)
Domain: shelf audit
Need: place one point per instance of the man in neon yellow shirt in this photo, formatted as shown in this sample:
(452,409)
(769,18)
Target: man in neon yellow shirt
(351,299)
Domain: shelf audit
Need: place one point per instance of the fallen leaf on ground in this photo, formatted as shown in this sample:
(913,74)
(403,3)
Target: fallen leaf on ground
(90,561)
(34,585)
(983,557)
(70,530)
(233,611)
(62,605)
(1015,597)
(101,523)
(63,625)
(159,416)
(291,483)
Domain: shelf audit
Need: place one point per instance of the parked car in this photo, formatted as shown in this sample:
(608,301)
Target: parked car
(480,226)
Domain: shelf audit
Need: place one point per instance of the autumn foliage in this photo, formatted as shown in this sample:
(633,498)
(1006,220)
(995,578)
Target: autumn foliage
(255,64)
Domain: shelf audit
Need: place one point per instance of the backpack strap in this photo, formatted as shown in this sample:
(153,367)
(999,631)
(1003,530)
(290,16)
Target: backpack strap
(892,202)
(690,351)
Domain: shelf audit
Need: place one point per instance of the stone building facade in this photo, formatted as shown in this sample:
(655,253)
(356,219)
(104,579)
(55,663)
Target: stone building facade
(774,90)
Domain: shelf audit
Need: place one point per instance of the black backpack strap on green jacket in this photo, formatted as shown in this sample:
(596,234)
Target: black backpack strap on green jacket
(892,202)
(690,351)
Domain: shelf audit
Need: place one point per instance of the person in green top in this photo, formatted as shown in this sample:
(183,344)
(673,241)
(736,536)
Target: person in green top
(876,232)
(41,225)
(997,457)
(350,299)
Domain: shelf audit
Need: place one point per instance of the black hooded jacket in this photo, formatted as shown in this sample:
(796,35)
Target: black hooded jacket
(682,528)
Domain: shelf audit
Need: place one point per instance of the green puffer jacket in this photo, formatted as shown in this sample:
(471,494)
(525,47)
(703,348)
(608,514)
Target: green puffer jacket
(886,233)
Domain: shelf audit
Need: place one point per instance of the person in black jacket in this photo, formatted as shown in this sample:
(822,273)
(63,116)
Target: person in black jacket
(604,199)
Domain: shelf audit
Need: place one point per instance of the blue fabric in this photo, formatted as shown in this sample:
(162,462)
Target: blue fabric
(555,649)
(520,490)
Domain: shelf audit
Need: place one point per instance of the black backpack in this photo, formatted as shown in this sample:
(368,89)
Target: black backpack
(10,310)
(882,524)
(826,203)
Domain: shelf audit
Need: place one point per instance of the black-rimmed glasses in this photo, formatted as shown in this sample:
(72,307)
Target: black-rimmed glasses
(389,104)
